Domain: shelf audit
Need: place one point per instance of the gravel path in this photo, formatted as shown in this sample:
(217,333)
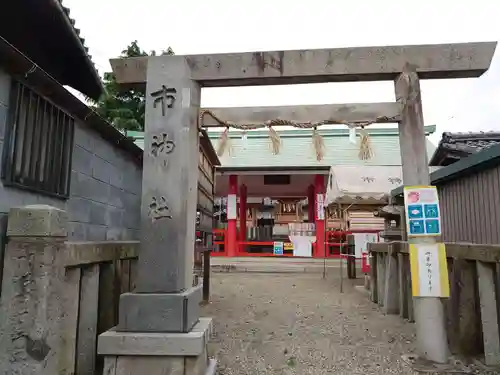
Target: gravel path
(302,324)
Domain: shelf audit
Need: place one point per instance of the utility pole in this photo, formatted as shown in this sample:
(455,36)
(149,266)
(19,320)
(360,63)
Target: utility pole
(429,313)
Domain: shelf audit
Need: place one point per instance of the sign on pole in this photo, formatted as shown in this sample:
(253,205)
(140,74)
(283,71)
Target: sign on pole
(423,217)
(429,270)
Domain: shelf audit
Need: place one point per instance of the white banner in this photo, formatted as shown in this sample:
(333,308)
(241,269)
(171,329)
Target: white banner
(361,241)
(429,270)
(320,206)
(231,207)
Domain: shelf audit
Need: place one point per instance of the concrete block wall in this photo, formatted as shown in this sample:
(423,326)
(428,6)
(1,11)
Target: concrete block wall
(105,185)
(105,198)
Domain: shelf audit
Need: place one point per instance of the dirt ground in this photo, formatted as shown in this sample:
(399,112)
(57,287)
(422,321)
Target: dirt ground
(302,324)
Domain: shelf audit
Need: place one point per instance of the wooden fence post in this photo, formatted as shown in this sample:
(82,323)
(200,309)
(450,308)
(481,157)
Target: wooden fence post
(403,295)
(88,320)
(391,284)
(206,275)
(381,265)
(373,275)
(351,260)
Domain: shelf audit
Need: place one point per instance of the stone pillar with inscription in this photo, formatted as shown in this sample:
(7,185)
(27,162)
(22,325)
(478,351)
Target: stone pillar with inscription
(159,329)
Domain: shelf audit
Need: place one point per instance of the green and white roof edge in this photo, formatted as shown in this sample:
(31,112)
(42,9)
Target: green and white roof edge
(253,148)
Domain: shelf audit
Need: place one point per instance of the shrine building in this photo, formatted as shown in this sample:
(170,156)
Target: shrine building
(261,193)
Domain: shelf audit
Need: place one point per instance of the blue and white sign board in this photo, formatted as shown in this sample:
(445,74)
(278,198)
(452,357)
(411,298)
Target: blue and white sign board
(278,248)
(423,216)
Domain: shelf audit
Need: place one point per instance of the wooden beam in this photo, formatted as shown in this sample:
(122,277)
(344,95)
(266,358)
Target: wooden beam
(334,113)
(461,60)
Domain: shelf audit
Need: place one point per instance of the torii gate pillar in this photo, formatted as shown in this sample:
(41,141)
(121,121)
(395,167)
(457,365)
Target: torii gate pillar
(159,329)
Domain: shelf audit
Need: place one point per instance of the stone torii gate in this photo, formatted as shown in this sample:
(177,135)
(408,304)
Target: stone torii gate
(159,329)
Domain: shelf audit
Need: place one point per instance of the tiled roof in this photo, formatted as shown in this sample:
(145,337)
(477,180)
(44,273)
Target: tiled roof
(66,12)
(297,148)
(454,146)
(470,142)
(44,32)
(72,22)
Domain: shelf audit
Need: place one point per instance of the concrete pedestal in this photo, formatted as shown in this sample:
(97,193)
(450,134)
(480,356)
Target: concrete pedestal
(151,353)
(164,312)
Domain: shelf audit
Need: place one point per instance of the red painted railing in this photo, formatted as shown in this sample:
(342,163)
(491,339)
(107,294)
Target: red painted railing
(335,239)
(219,239)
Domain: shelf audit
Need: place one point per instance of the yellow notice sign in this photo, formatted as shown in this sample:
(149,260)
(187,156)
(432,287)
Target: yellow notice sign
(429,270)
(288,246)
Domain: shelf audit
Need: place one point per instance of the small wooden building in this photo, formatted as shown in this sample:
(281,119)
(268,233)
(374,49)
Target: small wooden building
(206,189)
(469,194)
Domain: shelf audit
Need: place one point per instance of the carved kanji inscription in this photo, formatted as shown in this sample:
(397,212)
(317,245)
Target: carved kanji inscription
(161,146)
(166,97)
(158,209)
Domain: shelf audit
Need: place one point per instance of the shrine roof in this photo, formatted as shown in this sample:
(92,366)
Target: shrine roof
(297,149)
(43,31)
(455,146)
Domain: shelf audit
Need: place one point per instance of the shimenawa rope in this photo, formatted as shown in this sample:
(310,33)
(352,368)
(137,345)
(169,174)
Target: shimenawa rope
(365,150)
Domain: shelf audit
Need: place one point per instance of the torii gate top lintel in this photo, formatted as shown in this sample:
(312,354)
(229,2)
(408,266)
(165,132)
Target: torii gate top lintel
(438,61)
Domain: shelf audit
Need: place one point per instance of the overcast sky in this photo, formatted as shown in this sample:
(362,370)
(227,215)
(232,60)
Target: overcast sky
(198,26)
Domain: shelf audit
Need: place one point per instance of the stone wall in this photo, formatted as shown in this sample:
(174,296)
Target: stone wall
(105,185)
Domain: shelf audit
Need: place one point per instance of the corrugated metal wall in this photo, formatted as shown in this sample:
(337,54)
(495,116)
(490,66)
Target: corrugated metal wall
(470,208)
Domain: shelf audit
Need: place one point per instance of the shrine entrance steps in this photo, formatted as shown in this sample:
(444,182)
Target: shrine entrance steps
(278,265)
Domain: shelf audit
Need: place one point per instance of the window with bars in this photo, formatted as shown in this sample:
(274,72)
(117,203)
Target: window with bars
(38,144)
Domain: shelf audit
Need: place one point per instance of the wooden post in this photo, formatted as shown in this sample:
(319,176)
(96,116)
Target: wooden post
(373,276)
(310,203)
(409,293)
(429,313)
(403,296)
(206,275)
(391,287)
(351,260)
(381,258)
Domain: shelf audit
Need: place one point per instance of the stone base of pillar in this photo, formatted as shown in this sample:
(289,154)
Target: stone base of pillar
(152,353)
(165,312)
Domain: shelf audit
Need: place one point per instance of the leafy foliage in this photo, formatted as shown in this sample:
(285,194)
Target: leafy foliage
(124,109)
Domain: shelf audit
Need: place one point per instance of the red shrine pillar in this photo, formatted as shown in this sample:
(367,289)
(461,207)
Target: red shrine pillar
(243,215)
(310,203)
(232,216)
(319,215)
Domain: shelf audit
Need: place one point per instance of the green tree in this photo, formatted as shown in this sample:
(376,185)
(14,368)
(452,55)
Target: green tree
(124,109)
